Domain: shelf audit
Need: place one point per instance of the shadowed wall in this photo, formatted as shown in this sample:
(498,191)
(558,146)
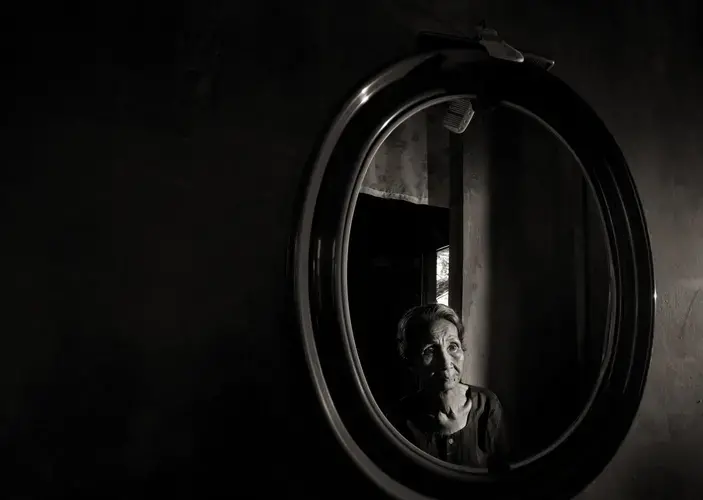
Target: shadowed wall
(148,187)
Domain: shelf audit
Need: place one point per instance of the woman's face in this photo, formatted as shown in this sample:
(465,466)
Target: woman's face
(440,356)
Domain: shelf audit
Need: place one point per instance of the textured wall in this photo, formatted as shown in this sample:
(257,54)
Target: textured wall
(144,347)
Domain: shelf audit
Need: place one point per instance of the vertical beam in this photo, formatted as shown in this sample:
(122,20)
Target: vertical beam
(450,159)
(456,223)
(476,255)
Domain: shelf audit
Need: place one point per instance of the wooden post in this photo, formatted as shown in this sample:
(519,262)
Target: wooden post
(475,253)
(456,223)
(461,159)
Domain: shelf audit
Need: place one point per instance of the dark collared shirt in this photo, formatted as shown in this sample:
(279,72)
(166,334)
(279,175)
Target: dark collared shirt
(481,443)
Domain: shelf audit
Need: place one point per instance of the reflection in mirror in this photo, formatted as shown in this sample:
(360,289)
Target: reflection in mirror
(479,285)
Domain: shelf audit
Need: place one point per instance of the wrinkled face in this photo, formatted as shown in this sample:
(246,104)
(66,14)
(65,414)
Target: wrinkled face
(439,356)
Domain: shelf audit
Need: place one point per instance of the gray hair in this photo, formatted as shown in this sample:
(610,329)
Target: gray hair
(416,320)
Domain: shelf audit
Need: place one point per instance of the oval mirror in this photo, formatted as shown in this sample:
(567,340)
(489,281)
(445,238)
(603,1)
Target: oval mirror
(490,247)
(473,281)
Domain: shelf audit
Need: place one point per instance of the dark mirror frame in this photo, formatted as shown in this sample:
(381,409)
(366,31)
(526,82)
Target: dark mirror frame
(318,275)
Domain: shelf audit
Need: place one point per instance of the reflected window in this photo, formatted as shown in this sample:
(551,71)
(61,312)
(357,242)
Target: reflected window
(443,276)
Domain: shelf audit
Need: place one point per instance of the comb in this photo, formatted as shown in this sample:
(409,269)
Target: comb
(459,115)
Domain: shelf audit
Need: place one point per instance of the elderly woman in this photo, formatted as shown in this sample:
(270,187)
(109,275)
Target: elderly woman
(446,418)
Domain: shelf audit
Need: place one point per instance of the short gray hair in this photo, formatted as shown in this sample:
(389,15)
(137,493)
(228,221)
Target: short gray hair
(416,321)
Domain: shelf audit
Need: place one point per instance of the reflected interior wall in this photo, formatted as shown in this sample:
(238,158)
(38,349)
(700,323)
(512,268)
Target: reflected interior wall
(149,191)
(544,296)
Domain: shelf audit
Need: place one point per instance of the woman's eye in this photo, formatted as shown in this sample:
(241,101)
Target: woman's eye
(453,348)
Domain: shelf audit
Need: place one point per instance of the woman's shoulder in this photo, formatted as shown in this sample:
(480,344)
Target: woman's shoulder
(401,411)
(483,398)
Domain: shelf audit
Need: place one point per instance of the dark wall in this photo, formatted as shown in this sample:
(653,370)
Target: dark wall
(148,192)
(545,295)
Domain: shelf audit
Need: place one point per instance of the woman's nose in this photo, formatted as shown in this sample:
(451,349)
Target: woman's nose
(446,360)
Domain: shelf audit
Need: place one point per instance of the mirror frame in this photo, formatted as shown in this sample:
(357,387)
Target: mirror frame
(317,267)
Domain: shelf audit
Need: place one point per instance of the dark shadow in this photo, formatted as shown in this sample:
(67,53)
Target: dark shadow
(540,280)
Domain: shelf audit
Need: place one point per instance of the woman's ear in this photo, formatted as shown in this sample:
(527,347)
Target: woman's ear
(409,365)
